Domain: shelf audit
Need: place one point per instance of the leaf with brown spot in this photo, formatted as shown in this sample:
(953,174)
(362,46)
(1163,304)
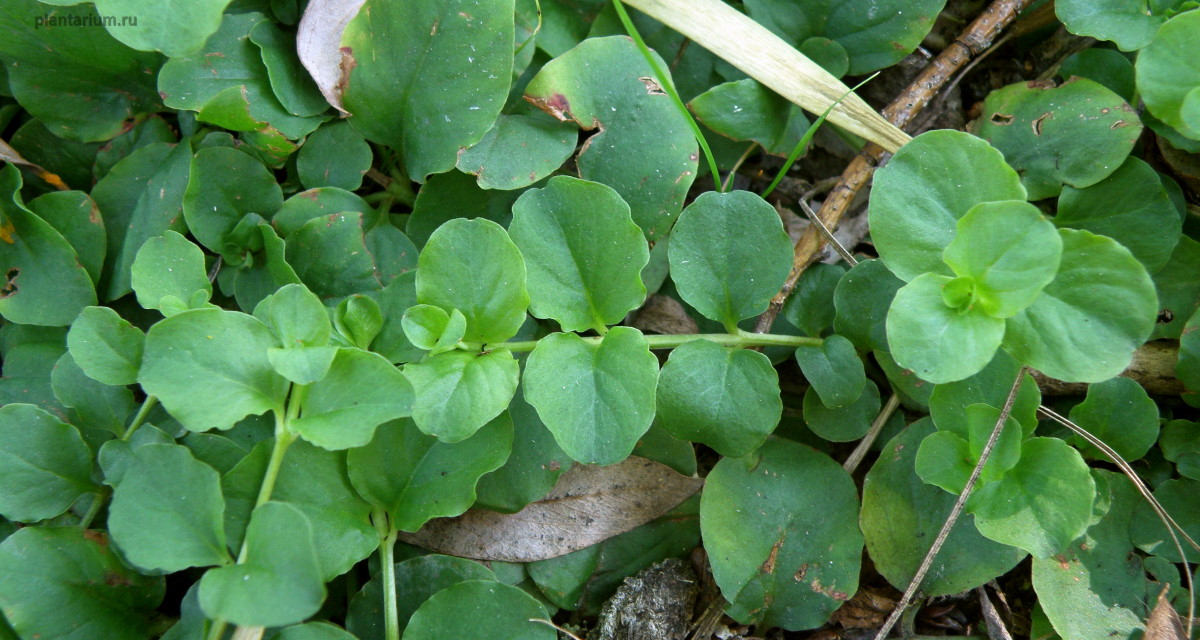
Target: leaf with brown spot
(317,43)
(588,505)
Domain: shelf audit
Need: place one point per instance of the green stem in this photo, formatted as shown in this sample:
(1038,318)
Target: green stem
(387,542)
(739,339)
(93,509)
(147,405)
(664,81)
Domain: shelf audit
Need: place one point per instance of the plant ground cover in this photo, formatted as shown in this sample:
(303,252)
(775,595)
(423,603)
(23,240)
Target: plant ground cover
(330,320)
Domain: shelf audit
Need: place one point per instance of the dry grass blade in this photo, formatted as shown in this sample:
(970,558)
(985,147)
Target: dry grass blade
(1163,622)
(864,445)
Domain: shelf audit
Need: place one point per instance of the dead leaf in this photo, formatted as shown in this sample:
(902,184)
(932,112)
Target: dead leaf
(665,315)
(866,610)
(1164,622)
(9,154)
(589,504)
(319,46)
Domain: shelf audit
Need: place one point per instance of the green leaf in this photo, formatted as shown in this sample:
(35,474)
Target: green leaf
(1178,289)
(518,151)
(583,271)
(80,82)
(900,514)
(94,405)
(845,423)
(451,195)
(458,392)
(596,398)
(1130,25)
(944,460)
(106,346)
(290,81)
(358,319)
(746,110)
(140,198)
(834,370)
(167,511)
(775,562)
(1041,504)
(175,27)
(725,398)
(321,202)
(811,308)
(116,456)
(1075,134)
(296,316)
(280,581)
(335,155)
(430,328)
(861,300)
(45,283)
(394,300)
(1087,323)
(1179,497)
(226,185)
(479,608)
(428,79)
(416,580)
(875,37)
(1187,369)
(1168,76)
(473,266)
(313,631)
(361,391)
(337,256)
(169,275)
(939,343)
(1119,412)
(44,464)
(643,147)
(948,401)
(222,352)
(922,192)
(75,215)
(535,464)
(729,255)
(1130,206)
(416,477)
(948,459)
(1010,250)
(66,583)
(914,392)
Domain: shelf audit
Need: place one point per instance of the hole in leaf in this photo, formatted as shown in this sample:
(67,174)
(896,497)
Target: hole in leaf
(1001,119)
(10,287)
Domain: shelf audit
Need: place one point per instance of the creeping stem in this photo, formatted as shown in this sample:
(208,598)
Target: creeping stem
(739,339)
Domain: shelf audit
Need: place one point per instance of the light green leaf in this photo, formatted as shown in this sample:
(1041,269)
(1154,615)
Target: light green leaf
(428,79)
(44,464)
(358,319)
(473,266)
(944,460)
(596,398)
(313,631)
(169,275)
(845,423)
(729,255)
(167,512)
(222,352)
(280,581)
(394,300)
(1131,25)
(1087,323)
(458,392)
(479,608)
(432,329)
(106,346)
(296,316)
(834,370)
(174,27)
(1119,412)
(919,196)
(518,151)
(775,562)
(583,271)
(947,460)
(1010,250)
(361,391)
(725,398)
(416,477)
(1168,75)
(939,343)
(642,147)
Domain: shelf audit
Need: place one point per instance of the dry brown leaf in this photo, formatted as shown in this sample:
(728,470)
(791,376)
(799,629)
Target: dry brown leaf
(319,46)
(665,315)
(9,154)
(589,504)
(1163,622)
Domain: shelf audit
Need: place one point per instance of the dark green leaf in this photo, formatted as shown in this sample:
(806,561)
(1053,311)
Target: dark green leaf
(291,83)
(1178,289)
(518,151)
(811,308)
(834,370)
(948,401)
(416,580)
(75,215)
(1181,498)
(535,464)
(105,346)
(335,155)
(44,464)
(862,299)
(225,186)
(478,608)
(845,423)
(451,195)
(1119,412)
(746,110)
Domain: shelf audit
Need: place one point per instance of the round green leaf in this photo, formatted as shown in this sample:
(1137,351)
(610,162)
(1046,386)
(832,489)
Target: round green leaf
(947,460)
(1178,289)
(845,423)
(1131,25)
(1130,206)
(747,110)
(94,405)
(167,512)
(224,353)
(834,370)
(168,273)
(416,580)
(1087,323)
(518,151)
(901,514)
(1108,67)
(944,460)
(642,147)
(416,477)
(948,401)
(938,343)
(457,392)
(597,398)
(473,266)
(781,530)
(1041,504)
(66,583)
(313,631)
(480,608)
(923,191)
(279,583)
(1010,250)
(296,316)
(106,346)
(1119,412)
(361,391)
(226,185)
(320,202)
(811,307)
(175,27)
(337,255)
(729,255)
(335,155)
(583,271)
(725,398)
(861,300)
(1075,134)
(44,464)
(428,79)
(1181,498)
(1168,74)
(533,467)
